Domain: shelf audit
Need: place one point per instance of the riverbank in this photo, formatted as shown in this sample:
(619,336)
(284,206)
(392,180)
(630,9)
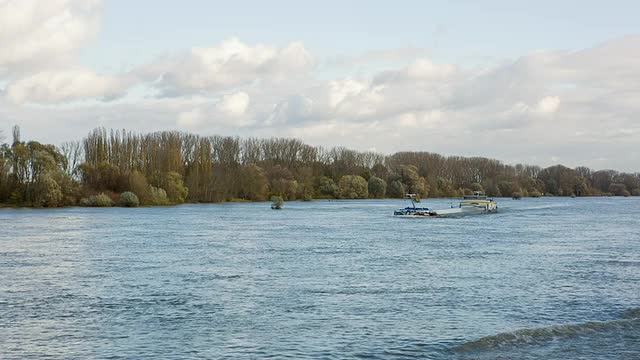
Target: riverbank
(10,206)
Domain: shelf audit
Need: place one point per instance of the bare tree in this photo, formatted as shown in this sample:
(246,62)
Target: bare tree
(72,157)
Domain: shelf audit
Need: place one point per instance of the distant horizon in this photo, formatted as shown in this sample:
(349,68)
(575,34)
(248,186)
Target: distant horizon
(462,78)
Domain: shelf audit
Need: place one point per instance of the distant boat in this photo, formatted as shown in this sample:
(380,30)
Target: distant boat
(478,203)
(412,210)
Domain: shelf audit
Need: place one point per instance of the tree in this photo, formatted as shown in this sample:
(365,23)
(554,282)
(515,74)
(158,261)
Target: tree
(581,188)
(173,185)
(415,184)
(138,185)
(618,189)
(493,190)
(379,170)
(72,157)
(47,192)
(283,183)
(506,188)
(396,189)
(16,134)
(254,183)
(377,187)
(327,187)
(173,167)
(353,187)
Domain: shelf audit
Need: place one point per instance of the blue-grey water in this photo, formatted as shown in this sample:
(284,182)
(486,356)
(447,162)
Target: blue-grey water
(548,278)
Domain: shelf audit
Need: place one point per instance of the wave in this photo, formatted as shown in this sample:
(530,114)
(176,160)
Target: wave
(628,320)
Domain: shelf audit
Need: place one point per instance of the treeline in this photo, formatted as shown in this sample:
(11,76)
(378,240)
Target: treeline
(121,167)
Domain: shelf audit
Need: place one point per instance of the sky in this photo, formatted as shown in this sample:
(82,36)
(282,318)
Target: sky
(540,83)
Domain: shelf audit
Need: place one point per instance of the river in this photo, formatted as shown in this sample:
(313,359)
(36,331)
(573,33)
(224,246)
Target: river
(552,278)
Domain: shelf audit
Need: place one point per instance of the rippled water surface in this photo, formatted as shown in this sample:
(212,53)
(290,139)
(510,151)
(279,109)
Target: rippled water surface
(550,278)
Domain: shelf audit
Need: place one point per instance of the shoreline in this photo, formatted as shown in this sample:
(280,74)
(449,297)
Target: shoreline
(9,206)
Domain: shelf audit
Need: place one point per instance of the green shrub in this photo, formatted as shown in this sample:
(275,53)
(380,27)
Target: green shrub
(101,200)
(158,196)
(129,199)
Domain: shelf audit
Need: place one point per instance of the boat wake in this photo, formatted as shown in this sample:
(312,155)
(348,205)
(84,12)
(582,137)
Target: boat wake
(628,322)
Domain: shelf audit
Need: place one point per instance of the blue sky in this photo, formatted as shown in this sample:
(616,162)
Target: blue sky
(540,82)
(456,31)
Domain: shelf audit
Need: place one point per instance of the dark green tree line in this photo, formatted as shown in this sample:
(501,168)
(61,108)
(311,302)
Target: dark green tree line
(172,167)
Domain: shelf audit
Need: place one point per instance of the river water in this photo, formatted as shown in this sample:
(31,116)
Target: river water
(547,278)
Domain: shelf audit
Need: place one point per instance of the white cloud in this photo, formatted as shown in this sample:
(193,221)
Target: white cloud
(549,104)
(190,118)
(39,44)
(294,108)
(227,66)
(339,90)
(34,33)
(234,104)
(64,85)
(426,69)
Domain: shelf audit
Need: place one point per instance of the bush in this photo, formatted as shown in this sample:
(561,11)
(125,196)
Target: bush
(635,192)
(129,199)
(535,194)
(102,200)
(158,196)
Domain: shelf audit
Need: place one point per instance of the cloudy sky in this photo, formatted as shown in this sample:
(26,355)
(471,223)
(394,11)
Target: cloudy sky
(551,82)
